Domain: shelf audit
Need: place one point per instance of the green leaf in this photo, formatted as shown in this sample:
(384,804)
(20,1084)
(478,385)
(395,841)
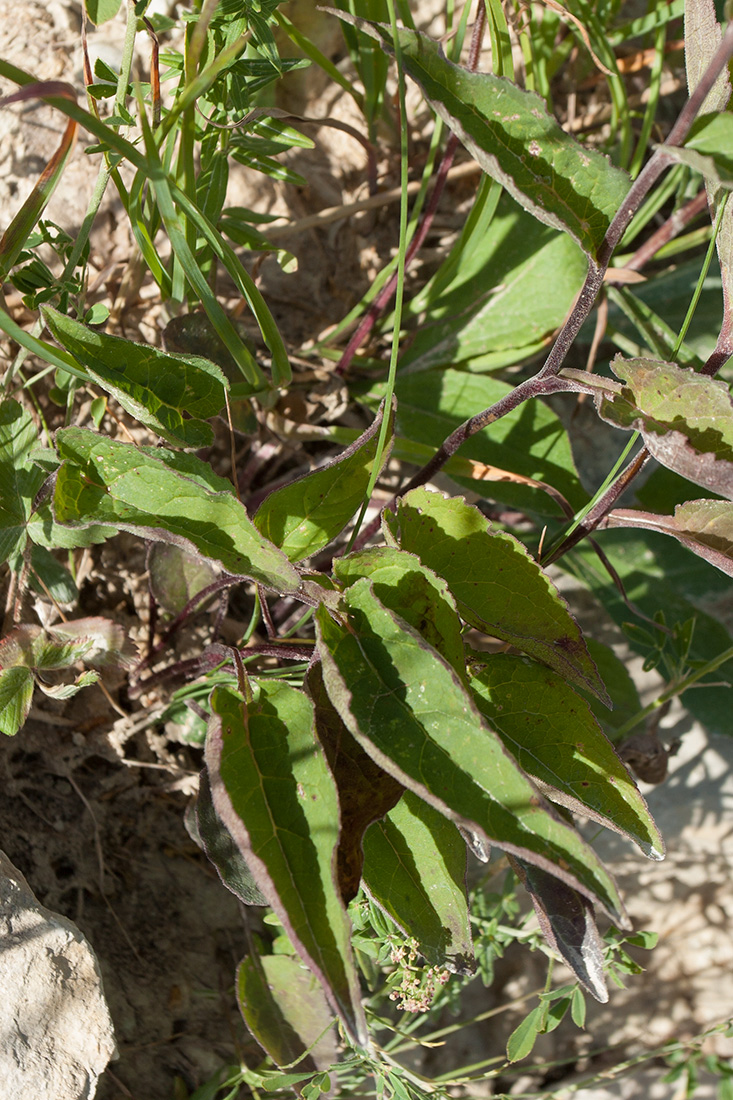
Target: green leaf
(211,834)
(530,441)
(415,869)
(304,516)
(657,574)
(274,792)
(553,735)
(481,319)
(166,497)
(16,693)
(408,708)
(703,526)
(95,640)
(55,577)
(365,791)
(419,595)
(176,577)
(685,418)
(497,586)
(619,685)
(155,387)
(577,1008)
(522,1040)
(285,1009)
(20,478)
(515,140)
(100,11)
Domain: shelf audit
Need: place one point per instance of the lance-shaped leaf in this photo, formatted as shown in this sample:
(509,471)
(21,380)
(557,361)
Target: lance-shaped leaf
(686,418)
(515,140)
(302,517)
(415,869)
(17,233)
(419,595)
(206,829)
(568,924)
(155,387)
(497,586)
(274,792)
(408,708)
(166,497)
(703,526)
(365,791)
(553,735)
(285,1009)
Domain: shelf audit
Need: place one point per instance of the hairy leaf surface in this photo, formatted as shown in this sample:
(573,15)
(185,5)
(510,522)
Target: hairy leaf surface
(703,526)
(685,418)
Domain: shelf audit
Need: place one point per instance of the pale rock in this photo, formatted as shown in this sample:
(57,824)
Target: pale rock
(56,1034)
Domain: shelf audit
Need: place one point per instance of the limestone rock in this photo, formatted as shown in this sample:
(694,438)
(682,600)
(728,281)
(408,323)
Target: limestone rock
(56,1034)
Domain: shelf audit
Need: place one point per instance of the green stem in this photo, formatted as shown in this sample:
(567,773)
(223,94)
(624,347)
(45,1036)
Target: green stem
(673,691)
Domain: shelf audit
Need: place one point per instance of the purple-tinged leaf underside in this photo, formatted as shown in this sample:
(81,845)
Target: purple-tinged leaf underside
(409,709)
(568,924)
(273,790)
(703,526)
(685,418)
(497,586)
(365,791)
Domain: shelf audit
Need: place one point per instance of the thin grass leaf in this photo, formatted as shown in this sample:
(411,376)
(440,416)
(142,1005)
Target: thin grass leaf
(20,228)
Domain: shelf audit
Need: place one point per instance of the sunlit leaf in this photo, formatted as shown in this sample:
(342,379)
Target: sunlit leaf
(16,693)
(703,526)
(285,1009)
(497,586)
(166,497)
(419,595)
(515,140)
(410,711)
(303,516)
(554,736)
(275,794)
(685,418)
(415,868)
(155,387)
